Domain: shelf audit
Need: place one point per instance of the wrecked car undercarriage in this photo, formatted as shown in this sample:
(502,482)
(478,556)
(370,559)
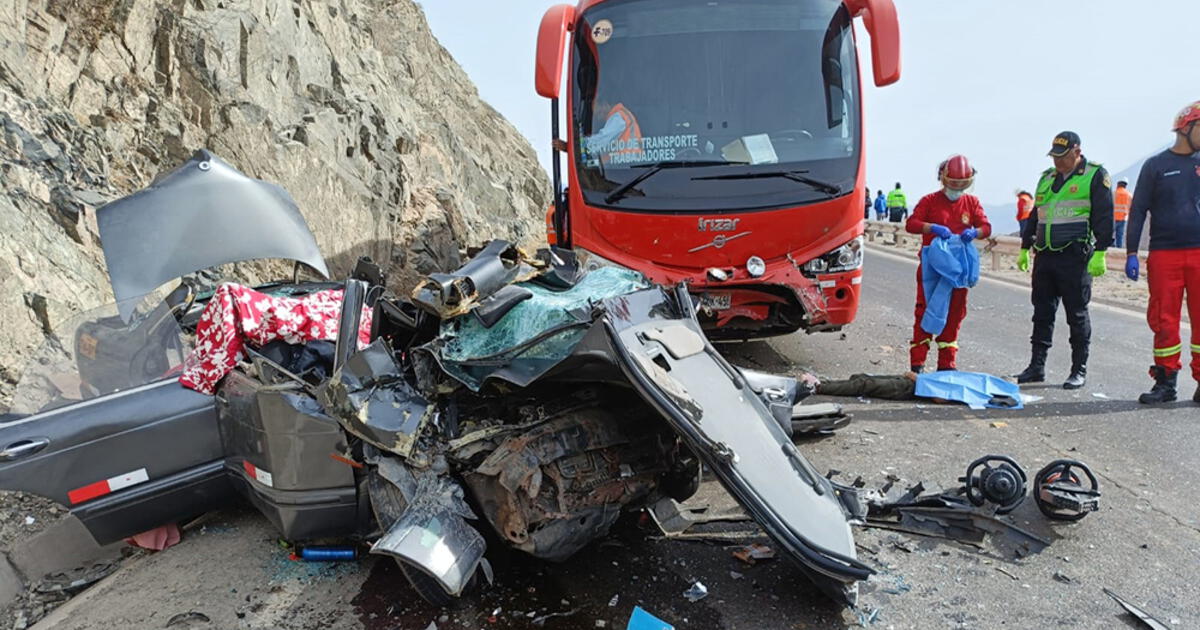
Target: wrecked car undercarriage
(518,399)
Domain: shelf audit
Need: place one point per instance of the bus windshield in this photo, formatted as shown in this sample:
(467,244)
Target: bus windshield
(738,86)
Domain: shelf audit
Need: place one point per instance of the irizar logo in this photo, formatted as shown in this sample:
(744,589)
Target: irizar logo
(717,225)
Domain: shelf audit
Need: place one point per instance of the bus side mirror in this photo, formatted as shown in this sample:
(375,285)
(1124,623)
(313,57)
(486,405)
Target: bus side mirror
(884,28)
(552,39)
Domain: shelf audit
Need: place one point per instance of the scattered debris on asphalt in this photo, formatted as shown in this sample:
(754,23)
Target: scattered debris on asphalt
(187,619)
(751,553)
(1141,615)
(1063,577)
(541,620)
(314,553)
(698,520)
(696,592)
(74,580)
(999,425)
(1009,574)
(867,616)
(949,516)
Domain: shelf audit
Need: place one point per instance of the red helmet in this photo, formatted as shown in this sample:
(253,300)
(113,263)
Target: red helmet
(1190,114)
(956,173)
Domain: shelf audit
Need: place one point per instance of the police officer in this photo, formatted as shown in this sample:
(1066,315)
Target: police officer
(1070,228)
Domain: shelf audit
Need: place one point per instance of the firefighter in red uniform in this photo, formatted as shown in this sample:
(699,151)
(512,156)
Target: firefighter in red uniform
(948,213)
(1168,189)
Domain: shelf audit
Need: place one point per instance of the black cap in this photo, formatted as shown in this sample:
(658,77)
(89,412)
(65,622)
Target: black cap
(1063,142)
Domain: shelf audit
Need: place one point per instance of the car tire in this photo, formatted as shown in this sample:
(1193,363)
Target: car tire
(387,502)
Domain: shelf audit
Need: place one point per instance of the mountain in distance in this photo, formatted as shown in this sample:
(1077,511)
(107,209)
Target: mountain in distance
(1004,215)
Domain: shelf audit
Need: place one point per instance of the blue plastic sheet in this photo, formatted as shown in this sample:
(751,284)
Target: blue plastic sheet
(642,620)
(946,264)
(977,390)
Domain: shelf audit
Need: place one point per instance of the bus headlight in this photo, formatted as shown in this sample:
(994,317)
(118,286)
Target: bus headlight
(756,266)
(848,257)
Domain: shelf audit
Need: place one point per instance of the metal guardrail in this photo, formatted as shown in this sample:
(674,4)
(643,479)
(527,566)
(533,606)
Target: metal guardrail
(997,246)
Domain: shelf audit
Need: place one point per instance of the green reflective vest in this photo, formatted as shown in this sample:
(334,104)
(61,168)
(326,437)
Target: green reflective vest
(895,199)
(1064,217)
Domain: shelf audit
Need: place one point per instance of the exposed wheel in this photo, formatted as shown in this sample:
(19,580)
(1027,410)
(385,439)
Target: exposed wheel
(387,502)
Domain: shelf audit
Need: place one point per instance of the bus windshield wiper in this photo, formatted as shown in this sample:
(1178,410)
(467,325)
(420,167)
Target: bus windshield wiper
(796,176)
(653,168)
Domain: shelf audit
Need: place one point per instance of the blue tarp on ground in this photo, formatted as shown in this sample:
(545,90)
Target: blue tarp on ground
(973,388)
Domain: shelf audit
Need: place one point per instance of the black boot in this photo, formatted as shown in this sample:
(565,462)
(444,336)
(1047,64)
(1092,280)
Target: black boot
(1196,396)
(917,368)
(1079,359)
(1078,377)
(1164,386)
(1036,372)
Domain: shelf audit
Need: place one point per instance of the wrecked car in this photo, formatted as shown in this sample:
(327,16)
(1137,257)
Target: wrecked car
(525,399)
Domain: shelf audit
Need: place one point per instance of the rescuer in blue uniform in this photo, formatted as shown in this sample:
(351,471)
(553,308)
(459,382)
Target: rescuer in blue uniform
(1070,228)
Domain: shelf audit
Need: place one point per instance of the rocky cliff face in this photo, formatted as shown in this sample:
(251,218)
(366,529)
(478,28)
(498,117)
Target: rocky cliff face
(351,105)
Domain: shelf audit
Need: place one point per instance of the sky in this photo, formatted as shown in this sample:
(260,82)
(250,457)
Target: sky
(993,80)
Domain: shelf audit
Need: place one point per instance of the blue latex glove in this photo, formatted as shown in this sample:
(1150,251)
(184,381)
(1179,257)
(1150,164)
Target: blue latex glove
(1131,267)
(939,231)
(968,234)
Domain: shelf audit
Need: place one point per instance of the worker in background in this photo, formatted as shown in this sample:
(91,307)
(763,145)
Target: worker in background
(1024,209)
(1122,199)
(1070,229)
(1168,189)
(897,205)
(880,207)
(867,203)
(948,213)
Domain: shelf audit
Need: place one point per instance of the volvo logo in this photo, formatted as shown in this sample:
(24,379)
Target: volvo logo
(719,241)
(717,225)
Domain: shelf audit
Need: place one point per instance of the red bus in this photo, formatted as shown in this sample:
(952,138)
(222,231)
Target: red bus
(719,143)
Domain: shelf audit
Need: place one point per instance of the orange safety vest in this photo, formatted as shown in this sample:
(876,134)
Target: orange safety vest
(1122,200)
(1024,207)
(632,136)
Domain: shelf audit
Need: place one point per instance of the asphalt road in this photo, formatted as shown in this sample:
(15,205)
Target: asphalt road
(1144,543)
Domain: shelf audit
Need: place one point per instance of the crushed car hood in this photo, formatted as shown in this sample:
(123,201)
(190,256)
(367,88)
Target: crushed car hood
(203,214)
(651,338)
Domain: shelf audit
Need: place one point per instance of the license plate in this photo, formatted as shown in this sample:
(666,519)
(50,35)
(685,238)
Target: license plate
(716,301)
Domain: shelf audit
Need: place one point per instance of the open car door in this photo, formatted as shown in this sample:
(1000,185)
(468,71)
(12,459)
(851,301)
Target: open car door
(100,425)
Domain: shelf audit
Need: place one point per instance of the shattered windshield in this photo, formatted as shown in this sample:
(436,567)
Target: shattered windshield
(96,353)
(736,87)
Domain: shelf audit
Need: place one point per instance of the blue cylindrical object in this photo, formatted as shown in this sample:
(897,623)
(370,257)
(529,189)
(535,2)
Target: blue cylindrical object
(328,554)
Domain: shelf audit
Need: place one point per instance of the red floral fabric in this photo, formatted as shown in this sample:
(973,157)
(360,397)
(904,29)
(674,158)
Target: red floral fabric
(237,315)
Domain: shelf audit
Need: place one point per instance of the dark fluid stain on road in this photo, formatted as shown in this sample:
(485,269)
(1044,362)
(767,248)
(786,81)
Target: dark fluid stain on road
(638,570)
